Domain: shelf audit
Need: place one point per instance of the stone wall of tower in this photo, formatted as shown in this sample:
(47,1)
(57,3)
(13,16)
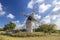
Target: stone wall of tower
(29,26)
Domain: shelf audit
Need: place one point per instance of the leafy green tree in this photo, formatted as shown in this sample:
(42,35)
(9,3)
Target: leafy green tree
(23,30)
(1,29)
(37,30)
(47,28)
(10,26)
(52,28)
(43,27)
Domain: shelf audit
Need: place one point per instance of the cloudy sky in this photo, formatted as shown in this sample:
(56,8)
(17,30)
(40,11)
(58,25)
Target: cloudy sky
(47,11)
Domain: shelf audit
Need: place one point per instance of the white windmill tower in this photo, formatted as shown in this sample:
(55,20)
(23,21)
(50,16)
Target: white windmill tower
(30,22)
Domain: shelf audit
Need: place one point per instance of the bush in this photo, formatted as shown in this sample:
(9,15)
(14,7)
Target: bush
(26,34)
(37,29)
(1,29)
(54,31)
(46,31)
(23,30)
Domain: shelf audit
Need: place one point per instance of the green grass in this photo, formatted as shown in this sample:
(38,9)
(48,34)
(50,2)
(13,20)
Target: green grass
(53,36)
(4,37)
(33,34)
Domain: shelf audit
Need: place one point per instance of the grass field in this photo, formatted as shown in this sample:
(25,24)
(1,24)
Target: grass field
(54,36)
(50,37)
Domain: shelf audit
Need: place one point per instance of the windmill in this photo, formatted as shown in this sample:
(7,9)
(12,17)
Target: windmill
(30,22)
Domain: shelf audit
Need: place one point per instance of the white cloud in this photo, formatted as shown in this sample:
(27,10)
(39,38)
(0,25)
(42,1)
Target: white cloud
(57,5)
(36,16)
(58,23)
(10,16)
(47,20)
(19,25)
(16,21)
(43,7)
(1,10)
(32,2)
(57,20)
(54,17)
(39,1)
(0,6)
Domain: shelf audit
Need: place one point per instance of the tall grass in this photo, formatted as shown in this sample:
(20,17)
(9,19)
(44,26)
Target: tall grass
(29,34)
(4,37)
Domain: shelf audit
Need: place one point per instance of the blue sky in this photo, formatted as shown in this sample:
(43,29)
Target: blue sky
(47,11)
(14,7)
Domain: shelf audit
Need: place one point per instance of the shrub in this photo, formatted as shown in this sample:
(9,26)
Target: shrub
(23,30)
(54,31)
(26,34)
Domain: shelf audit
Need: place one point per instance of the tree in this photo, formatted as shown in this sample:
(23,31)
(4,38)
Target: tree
(52,28)
(37,29)
(47,28)
(10,26)
(43,27)
(23,30)
(1,29)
